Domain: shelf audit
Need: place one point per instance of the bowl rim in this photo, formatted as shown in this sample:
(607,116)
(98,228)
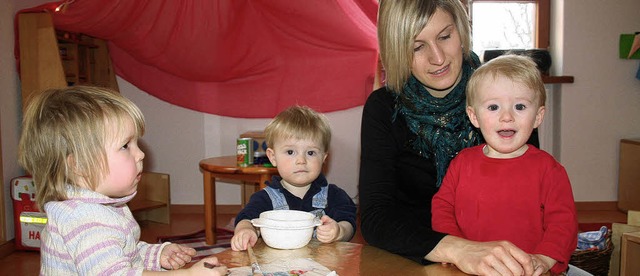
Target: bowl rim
(259,222)
(310,215)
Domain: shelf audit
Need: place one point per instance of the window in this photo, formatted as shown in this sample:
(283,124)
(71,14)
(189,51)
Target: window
(504,24)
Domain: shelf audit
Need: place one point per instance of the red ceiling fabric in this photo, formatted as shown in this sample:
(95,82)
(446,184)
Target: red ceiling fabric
(237,58)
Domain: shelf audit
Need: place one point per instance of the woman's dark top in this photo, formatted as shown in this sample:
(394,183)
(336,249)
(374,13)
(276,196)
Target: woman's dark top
(396,183)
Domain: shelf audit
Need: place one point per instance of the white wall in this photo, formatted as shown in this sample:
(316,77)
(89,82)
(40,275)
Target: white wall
(178,138)
(603,105)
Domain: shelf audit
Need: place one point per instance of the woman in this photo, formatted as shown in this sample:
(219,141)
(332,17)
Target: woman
(412,128)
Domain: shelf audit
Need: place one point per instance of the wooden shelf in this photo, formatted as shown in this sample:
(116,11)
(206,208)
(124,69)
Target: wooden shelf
(143,205)
(153,200)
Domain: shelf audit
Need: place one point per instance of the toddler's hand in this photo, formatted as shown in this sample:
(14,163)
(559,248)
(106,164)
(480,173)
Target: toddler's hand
(208,266)
(174,256)
(329,231)
(242,238)
(541,263)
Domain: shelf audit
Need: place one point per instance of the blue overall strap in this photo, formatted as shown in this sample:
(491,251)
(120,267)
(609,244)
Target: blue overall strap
(319,201)
(278,200)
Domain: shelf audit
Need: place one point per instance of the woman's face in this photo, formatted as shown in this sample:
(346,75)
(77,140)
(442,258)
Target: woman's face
(437,56)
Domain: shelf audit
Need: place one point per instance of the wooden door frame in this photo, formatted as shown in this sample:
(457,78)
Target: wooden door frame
(5,246)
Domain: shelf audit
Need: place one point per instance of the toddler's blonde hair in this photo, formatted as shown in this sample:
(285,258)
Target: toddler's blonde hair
(299,122)
(64,133)
(518,68)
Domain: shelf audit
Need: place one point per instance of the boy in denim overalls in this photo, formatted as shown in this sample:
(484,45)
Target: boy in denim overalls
(298,142)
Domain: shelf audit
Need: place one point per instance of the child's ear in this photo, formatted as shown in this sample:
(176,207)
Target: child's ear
(72,168)
(539,117)
(71,164)
(472,116)
(272,156)
(76,174)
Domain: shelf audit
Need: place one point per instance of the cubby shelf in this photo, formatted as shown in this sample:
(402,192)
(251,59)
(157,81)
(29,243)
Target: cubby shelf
(49,58)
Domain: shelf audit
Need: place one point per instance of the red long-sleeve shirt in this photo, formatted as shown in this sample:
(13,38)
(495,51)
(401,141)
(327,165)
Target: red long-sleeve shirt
(526,200)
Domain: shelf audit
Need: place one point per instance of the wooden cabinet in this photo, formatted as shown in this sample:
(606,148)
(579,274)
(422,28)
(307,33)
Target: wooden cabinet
(54,59)
(629,175)
(630,255)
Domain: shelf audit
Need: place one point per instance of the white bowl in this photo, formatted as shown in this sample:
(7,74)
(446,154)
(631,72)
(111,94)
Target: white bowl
(286,229)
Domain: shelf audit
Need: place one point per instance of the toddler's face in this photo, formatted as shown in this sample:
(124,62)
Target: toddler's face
(506,113)
(299,161)
(125,162)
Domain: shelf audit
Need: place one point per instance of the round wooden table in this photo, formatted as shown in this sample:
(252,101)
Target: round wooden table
(225,167)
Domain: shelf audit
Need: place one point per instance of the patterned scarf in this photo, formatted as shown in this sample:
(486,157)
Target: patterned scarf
(441,125)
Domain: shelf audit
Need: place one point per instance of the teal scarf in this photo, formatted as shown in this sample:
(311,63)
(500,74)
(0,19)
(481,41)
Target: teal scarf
(441,125)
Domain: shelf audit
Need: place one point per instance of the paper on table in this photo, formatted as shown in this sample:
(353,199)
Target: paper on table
(283,267)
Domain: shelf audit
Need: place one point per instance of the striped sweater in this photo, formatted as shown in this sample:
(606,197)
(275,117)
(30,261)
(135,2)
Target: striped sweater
(92,234)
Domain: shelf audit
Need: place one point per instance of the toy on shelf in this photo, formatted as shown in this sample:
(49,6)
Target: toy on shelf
(28,220)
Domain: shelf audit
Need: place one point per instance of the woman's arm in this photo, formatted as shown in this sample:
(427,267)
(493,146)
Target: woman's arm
(482,258)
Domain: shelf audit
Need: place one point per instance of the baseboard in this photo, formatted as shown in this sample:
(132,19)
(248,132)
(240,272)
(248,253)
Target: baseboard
(7,248)
(597,206)
(199,209)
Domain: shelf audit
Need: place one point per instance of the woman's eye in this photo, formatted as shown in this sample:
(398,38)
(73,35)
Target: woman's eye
(520,107)
(493,107)
(418,47)
(445,37)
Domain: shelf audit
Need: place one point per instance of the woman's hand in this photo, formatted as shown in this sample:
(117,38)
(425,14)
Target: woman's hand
(482,258)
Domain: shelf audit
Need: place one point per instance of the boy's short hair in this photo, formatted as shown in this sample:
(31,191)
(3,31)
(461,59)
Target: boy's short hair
(299,122)
(64,133)
(518,68)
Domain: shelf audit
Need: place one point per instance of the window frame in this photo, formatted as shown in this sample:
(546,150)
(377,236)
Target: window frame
(543,18)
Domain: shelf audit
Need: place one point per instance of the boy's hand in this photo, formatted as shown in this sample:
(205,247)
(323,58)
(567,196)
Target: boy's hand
(174,256)
(244,235)
(329,231)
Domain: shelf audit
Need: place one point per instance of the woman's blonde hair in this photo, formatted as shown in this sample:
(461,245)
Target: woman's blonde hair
(400,21)
(64,132)
(299,122)
(520,69)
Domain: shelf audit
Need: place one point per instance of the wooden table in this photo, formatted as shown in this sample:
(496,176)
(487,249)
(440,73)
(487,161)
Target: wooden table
(344,258)
(225,167)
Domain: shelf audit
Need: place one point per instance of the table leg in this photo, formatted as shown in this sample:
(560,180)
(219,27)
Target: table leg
(209,207)
(243,191)
(263,179)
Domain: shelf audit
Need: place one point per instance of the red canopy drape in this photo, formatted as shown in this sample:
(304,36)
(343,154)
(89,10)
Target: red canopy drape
(238,58)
